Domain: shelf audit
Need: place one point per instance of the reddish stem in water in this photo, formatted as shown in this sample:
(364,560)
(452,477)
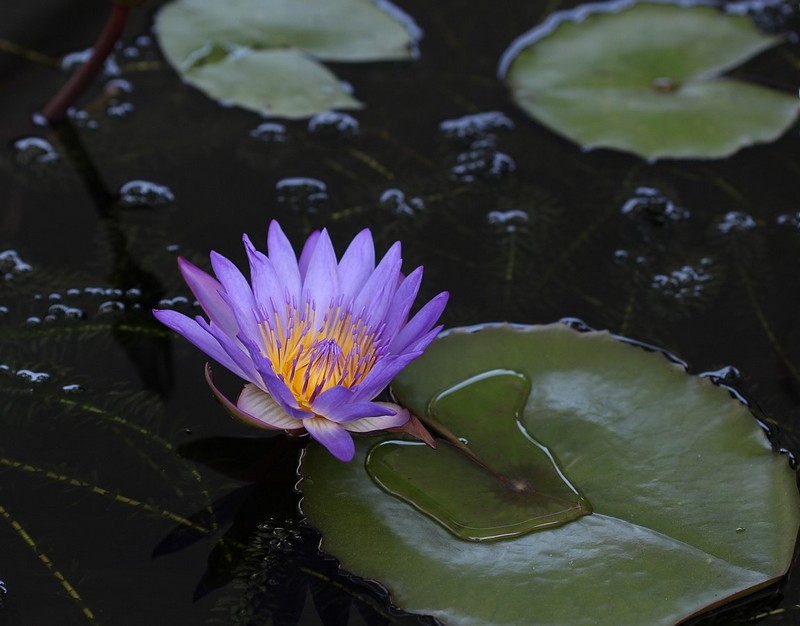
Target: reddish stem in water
(56,109)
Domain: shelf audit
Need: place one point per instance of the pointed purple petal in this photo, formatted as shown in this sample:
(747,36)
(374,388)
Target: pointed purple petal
(267,285)
(332,436)
(382,374)
(377,293)
(379,422)
(199,336)
(308,250)
(420,324)
(206,289)
(357,263)
(402,302)
(349,411)
(321,281)
(283,259)
(237,293)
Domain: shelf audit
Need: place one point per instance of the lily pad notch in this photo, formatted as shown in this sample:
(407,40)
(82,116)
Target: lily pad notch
(647,77)
(267,55)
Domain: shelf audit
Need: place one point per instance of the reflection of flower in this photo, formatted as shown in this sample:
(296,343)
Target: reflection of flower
(317,339)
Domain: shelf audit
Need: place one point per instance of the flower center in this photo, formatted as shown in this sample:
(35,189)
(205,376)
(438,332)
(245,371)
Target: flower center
(311,355)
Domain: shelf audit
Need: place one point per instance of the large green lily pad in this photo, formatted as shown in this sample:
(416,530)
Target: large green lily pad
(648,78)
(264,55)
(691,505)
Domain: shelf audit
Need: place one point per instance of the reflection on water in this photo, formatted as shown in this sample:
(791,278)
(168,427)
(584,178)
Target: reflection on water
(125,493)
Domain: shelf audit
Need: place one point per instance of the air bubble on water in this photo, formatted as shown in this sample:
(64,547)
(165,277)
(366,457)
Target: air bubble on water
(131,52)
(133,293)
(507,221)
(302,195)
(31,377)
(110,307)
(333,124)
(33,320)
(117,87)
(686,283)
(173,247)
(576,323)
(34,151)
(648,203)
(482,163)
(70,62)
(72,389)
(470,128)
(114,292)
(143,41)
(726,375)
(789,220)
(395,201)
(3,310)
(12,265)
(145,194)
(119,109)
(271,132)
(82,118)
(169,303)
(94,291)
(736,221)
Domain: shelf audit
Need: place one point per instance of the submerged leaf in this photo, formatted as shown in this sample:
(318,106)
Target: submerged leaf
(691,506)
(646,78)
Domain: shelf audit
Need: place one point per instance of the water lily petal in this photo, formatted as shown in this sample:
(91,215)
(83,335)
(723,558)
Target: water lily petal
(420,324)
(378,422)
(241,415)
(376,295)
(308,250)
(403,299)
(283,260)
(382,374)
(263,408)
(199,336)
(357,263)
(332,436)
(237,292)
(206,289)
(321,281)
(337,405)
(268,288)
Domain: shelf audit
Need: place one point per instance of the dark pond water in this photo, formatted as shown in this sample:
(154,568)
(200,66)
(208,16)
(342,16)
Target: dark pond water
(126,495)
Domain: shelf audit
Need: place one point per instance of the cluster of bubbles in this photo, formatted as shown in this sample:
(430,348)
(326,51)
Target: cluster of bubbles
(61,307)
(302,195)
(791,220)
(279,536)
(12,265)
(778,17)
(507,221)
(736,221)
(396,203)
(685,283)
(333,124)
(478,135)
(270,132)
(137,194)
(30,379)
(652,206)
(34,152)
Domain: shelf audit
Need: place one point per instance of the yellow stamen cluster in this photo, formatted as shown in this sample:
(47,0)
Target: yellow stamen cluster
(311,356)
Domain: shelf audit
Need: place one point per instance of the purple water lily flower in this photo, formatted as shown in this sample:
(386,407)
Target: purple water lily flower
(317,339)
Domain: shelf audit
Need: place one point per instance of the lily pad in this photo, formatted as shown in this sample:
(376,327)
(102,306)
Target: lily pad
(692,507)
(264,55)
(647,78)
